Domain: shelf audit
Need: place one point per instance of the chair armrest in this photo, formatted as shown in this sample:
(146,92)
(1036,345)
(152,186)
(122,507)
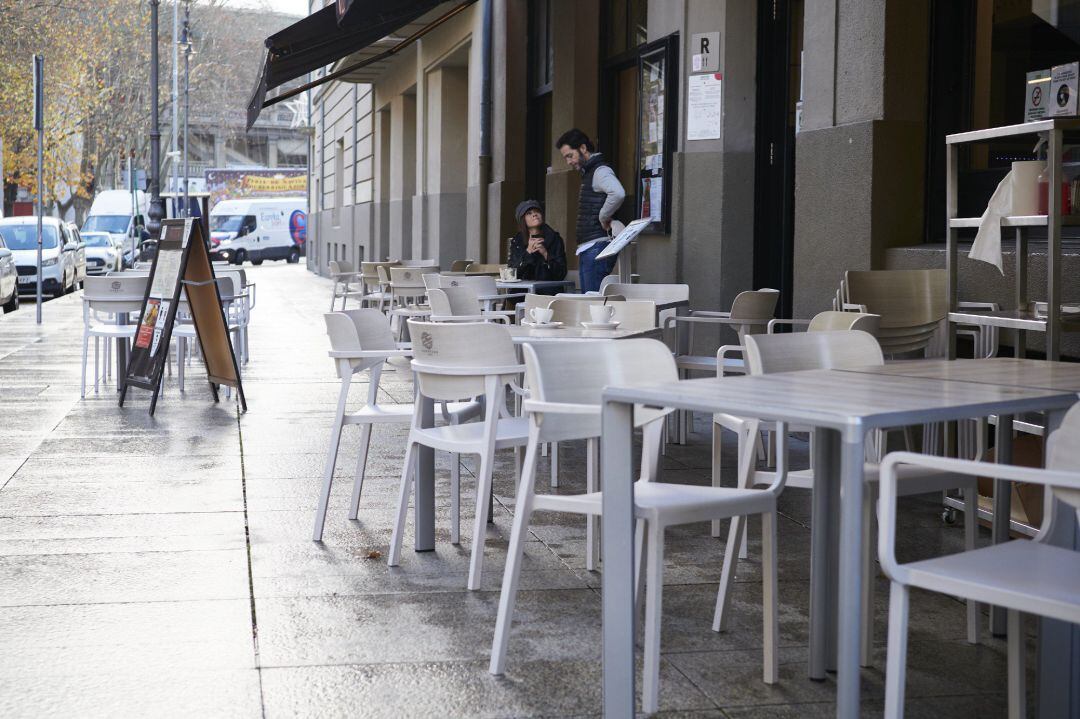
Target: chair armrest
(560,407)
(773,323)
(365,354)
(989,306)
(512,296)
(721,355)
(518,389)
(888,482)
(343,275)
(852,307)
(708,313)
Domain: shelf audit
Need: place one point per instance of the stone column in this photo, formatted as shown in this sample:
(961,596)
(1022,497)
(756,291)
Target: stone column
(446,162)
(860,158)
(402,175)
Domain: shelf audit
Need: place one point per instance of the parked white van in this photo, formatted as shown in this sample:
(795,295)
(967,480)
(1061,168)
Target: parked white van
(112,212)
(258,229)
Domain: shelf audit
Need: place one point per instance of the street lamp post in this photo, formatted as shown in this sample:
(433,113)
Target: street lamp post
(156,211)
(185,45)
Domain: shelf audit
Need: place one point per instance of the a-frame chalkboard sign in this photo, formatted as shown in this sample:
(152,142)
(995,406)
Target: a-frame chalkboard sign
(182,264)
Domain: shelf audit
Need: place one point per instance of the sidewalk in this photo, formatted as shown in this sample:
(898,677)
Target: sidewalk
(163,566)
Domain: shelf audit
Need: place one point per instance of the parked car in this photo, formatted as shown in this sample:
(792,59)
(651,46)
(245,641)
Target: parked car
(102,253)
(58,273)
(114,211)
(79,253)
(257,230)
(9,284)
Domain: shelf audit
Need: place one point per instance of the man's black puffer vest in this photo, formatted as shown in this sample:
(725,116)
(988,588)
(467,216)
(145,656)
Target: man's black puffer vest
(590,202)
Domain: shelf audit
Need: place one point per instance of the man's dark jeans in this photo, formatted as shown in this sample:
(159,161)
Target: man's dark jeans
(592,271)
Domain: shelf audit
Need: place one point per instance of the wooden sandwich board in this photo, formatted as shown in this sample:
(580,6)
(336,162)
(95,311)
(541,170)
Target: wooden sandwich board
(183,264)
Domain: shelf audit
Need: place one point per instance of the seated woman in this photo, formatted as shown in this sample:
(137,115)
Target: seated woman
(537,251)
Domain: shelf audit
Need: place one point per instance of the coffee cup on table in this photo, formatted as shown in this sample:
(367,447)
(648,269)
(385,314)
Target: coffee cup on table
(601,314)
(541,315)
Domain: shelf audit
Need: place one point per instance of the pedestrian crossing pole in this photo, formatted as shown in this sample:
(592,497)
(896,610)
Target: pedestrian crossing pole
(39,125)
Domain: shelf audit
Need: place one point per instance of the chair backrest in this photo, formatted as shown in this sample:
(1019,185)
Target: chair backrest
(340,266)
(445,352)
(766,354)
(903,298)
(432,280)
(360,329)
(756,307)
(577,372)
(115,293)
(1063,454)
(488,268)
(574,311)
(659,293)
(481,284)
(531,301)
(383,273)
(454,302)
(235,283)
(370,270)
(421,263)
(833,320)
(460,265)
(634,314)
(402,278)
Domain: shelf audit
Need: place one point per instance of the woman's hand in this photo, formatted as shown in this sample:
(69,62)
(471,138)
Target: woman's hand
(536,244)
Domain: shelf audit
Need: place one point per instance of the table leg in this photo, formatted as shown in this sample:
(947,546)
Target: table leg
(1002,507)
(851,578)
(825,498)
(617,536)
(425,484)
(1058,659)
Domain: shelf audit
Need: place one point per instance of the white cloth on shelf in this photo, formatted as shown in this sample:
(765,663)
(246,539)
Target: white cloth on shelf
(987,246)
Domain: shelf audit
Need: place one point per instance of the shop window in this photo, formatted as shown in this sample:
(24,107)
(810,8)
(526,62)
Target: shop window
(638,124)
(625,25)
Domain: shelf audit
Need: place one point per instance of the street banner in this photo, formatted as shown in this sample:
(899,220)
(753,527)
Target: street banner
(181,268)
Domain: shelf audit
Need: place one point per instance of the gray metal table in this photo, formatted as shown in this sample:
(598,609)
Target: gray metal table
(843,407)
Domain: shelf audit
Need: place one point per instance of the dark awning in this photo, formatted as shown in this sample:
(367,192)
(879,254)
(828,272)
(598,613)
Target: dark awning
(327,36)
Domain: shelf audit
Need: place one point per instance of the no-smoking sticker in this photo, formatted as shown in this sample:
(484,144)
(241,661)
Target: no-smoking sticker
(1036,96)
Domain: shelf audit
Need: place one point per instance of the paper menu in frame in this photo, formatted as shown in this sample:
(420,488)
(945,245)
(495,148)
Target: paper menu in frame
(630,232)
(704,107)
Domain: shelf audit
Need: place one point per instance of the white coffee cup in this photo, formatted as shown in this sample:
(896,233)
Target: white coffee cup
(508,274)
(601,314)
(541,315)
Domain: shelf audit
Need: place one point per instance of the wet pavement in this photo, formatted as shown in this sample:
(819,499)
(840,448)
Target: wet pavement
(163,566)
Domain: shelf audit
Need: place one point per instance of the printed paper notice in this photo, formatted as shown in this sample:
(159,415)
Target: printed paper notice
(704,115)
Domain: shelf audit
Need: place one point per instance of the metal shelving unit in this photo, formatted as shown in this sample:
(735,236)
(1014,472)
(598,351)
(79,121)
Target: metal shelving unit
(1022,317)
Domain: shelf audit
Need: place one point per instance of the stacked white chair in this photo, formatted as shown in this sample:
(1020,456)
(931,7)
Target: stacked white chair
(347,283)
(565,383)
(460,304)
(105,299)
(455,361)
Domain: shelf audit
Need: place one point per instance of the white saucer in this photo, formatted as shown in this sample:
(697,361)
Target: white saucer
(546,326)
(600,325)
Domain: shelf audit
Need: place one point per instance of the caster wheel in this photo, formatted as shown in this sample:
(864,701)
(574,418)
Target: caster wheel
(948,516)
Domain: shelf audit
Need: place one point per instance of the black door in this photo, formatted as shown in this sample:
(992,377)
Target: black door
(779,64)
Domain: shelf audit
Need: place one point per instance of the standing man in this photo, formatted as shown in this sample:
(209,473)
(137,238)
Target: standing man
(601,196)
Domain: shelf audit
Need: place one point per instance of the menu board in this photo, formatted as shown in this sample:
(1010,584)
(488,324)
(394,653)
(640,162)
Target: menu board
(182,266)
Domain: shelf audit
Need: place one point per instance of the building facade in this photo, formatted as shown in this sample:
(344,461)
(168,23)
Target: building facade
(775,143)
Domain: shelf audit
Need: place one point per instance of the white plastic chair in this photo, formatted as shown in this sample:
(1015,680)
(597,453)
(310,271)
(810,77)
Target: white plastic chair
(766,354)
(454,361)
(345,277)
(361,340)
(460,304)
(104,300)
(1031,577)
(565,383)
